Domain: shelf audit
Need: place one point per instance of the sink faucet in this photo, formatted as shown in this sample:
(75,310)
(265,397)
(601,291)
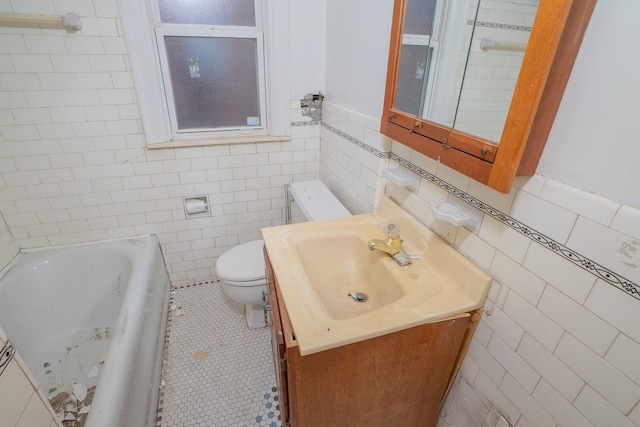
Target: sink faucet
(392,245)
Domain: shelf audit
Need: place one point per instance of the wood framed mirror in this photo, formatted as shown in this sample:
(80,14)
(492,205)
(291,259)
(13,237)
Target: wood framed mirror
(547,58)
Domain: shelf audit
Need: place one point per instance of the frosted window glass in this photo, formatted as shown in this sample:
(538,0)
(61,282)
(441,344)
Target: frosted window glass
(419,15)
(214,80)
(412,78)
(208,12)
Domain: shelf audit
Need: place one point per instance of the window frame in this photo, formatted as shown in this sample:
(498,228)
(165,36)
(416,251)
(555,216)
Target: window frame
(139,21)
(163,31)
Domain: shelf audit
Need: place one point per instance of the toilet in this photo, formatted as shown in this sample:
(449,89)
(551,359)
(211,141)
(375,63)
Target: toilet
(241,270)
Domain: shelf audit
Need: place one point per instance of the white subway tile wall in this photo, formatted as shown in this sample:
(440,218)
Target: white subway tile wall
(76,168)
(352,173)
(561,345)
(8,246)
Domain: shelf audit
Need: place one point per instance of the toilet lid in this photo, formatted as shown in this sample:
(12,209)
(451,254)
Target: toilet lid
(242,263)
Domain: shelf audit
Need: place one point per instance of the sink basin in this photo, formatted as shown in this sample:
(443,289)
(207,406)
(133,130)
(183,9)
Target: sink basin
(339,264)
(338,270)
(322,266)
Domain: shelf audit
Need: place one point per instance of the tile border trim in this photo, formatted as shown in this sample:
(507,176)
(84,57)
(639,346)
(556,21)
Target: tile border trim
(305,123)
(598,270)
(499,26)
(379,154)
(6,355)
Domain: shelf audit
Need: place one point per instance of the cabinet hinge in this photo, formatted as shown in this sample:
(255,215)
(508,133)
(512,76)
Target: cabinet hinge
(283,363)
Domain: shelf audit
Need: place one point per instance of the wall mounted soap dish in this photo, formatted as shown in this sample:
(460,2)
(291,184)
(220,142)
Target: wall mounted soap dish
(402,177)
(456,213)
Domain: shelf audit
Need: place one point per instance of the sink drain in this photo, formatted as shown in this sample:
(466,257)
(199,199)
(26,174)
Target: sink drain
(358,296)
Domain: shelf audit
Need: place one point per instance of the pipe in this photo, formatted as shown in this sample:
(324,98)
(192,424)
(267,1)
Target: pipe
(288,198)
(68,20)
(486,44)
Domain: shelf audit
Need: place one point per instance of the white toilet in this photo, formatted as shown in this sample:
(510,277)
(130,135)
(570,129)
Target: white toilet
(241,269)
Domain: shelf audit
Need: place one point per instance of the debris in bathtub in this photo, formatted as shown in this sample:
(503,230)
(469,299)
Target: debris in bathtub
(117,290)
(100,334)
(200,355)
(69,411)
(80,390)
(71,348)
(93,372)
(103,357)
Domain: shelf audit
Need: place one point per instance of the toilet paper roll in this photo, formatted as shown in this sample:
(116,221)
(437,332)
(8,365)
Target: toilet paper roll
(195,206)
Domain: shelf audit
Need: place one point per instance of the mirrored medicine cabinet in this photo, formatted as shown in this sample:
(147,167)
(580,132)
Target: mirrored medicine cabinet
(476,84)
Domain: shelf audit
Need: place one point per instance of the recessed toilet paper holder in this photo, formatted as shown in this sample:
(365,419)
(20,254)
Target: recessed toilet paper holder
(196,206)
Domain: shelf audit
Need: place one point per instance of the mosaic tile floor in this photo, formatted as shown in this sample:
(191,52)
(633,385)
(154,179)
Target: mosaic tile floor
(217,372)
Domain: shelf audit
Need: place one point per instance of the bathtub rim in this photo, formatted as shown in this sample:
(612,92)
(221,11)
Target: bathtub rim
(22,251)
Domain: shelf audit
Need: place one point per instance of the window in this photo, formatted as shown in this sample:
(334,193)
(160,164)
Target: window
(214,68)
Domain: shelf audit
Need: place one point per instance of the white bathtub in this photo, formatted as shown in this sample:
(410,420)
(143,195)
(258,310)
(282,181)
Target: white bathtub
(64,308)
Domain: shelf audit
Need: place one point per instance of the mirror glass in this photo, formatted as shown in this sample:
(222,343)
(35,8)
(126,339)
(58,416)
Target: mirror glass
(460,59)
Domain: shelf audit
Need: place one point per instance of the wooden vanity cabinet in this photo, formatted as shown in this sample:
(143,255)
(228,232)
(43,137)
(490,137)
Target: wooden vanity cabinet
(396,379)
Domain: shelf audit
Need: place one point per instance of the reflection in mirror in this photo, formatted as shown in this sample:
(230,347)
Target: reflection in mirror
(417,50)
(460,60)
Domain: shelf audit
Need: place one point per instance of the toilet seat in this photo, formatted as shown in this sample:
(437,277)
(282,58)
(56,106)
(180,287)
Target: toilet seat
(243,265)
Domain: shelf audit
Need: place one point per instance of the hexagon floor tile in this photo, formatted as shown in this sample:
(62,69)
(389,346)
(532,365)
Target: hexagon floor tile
(216,371)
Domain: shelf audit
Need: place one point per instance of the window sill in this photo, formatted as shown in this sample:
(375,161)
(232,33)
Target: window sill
(244,139)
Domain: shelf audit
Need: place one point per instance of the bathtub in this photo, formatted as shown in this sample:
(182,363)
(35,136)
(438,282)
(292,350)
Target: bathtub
(100,308)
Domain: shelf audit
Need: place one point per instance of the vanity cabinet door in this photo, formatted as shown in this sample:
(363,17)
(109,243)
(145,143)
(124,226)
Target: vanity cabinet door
(398,379)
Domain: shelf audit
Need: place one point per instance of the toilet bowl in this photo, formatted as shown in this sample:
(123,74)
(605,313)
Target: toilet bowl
(242,278)
(241,269)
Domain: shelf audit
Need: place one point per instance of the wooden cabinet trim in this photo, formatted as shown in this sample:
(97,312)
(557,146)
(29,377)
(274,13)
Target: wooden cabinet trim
(555,40)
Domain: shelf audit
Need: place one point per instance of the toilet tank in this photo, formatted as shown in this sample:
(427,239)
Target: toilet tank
(313,201)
